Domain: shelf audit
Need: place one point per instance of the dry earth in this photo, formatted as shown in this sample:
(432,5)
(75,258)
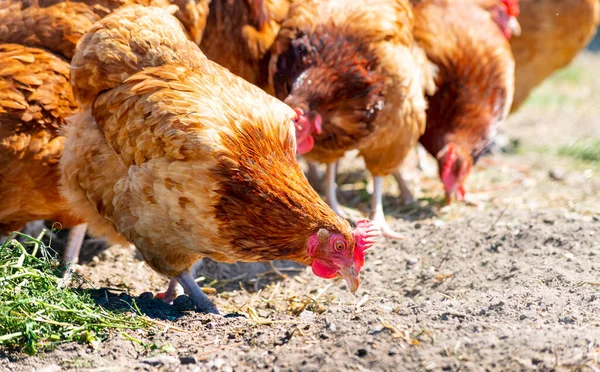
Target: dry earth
(510,282)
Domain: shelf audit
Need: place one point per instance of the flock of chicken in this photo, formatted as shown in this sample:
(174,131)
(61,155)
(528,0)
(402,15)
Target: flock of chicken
(117,115)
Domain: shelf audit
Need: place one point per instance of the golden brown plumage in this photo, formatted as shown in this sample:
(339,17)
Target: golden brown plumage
(35,99)
(186,160)
(239,33)
(58,25)
(475,84)
(553,32)
(352,68)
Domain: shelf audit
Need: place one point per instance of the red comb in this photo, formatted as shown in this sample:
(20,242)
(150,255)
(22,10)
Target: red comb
(365,235)
(512,7)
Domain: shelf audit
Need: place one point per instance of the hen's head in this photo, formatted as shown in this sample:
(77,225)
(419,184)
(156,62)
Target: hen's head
(454,166)
(306,124)
(328,78)
(334,254)
(505,14)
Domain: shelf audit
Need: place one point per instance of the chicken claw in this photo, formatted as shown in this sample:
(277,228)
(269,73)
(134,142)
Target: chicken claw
(201,300)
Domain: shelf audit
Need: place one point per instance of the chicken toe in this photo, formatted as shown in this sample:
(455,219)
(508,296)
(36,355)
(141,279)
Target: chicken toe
(202,302)
(173,290)
(377,215)
(330,191)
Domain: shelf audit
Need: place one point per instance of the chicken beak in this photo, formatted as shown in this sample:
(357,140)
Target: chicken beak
(514,26)
(351,277)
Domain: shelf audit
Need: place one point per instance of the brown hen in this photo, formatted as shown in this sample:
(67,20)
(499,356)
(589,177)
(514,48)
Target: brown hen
(553,32)
(355,77)
(475,82)
(238,36)
(37,98)
(186,160)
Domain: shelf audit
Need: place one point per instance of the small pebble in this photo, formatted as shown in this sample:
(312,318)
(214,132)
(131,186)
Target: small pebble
(331,327)
(188,359)
(557,174)
(161,360)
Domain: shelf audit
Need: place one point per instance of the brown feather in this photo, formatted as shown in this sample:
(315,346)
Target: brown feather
(35,99)
(181,157)
(475,80)
(238,35)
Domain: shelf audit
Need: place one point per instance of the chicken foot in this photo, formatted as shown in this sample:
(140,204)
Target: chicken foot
(72,249)
(199,298)
(377,215)
(330,190)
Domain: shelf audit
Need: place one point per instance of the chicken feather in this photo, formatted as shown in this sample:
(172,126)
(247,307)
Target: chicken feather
(186,160)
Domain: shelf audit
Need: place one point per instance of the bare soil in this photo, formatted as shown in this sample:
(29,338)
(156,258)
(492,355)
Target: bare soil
(508,282)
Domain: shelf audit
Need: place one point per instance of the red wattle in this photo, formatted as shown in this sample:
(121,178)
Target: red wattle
(322,270)
(305,145)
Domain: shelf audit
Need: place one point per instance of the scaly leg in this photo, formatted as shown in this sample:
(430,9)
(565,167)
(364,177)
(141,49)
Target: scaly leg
(171,293)
(314,176)
(377,216)
(405,194)
(73,247)
(331,189)
(201,300)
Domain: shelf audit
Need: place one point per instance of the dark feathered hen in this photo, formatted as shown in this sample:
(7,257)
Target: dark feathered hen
(353,74)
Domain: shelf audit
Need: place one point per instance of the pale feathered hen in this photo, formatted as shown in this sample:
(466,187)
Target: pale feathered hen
(185,160)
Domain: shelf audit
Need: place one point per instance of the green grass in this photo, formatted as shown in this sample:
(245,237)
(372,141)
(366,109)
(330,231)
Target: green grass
(37,312)
(557,90)
(587,150)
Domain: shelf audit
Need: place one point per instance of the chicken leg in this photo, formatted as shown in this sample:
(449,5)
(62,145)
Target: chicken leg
(405,194)
(313,175)
(72,249)
(330,190)
(377,216)
(201,300)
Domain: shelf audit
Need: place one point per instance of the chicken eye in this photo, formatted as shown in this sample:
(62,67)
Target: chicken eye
(340,246)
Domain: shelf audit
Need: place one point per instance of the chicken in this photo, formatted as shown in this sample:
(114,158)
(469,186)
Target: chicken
(475,83)
(356,80)
(58,25)
(238,36)
(185,160)
(553,32)
(35,99)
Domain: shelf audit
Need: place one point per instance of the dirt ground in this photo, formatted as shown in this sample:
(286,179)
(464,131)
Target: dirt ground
(508,282)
